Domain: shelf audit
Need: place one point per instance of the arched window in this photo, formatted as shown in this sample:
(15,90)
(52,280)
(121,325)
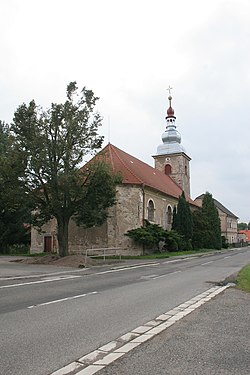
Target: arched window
(168,169)
(151,210)
(169,215)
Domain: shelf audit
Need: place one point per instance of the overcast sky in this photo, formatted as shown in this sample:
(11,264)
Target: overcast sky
(128,52)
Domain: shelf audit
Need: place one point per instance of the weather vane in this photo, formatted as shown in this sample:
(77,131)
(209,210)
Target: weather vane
(169,89)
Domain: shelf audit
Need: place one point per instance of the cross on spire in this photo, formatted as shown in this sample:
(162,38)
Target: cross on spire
(169,90)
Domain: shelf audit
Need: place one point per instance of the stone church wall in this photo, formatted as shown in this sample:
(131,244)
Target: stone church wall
(128,213)
(125,215)
(162,203)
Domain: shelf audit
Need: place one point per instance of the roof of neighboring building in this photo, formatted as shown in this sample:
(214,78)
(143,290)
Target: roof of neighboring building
(136,172)
(246,232)
(219,206)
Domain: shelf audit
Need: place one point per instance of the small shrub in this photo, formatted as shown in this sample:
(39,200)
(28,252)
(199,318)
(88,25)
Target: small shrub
(17,249)
(172,241)
(149,236)
(224,243)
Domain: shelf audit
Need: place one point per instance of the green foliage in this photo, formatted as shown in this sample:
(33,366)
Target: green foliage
(183,223)
(16,249)
(14,203)
(173,241)
(152,235)
(242,226)
(199,229)
(224,243)
(243,279)
(53,143)
(212,238)
(174,222)
(149,235)
(207,231)
(97,195)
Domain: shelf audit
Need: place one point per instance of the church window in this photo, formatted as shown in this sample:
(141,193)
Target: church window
(151,210)
(185,170)
(168,169)
(169,215)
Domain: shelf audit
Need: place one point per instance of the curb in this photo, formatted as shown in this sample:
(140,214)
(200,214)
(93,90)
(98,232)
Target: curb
(98,359)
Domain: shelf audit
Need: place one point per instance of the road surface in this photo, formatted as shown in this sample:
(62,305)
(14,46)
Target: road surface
(50,317)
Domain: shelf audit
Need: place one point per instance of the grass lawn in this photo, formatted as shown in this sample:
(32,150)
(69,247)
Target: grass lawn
(243,279)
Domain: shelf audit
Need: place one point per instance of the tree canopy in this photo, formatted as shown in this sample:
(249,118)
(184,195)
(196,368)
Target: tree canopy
(243,226)
(14,204)
(53,143)
(207,229)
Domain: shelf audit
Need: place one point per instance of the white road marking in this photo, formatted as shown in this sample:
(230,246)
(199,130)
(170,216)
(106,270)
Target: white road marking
(95,361)
(127,268)
(61,278)
(146,277)
(204,264)
(62,300)
(167,274)
(178,260)
(6,278)
(229,256)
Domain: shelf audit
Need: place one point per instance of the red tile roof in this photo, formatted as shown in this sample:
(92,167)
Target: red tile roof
(136,172)
(246,232)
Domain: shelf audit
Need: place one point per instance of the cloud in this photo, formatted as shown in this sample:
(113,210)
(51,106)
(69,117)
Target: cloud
(128,53)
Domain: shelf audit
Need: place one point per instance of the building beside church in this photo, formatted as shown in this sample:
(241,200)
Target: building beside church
(145,193)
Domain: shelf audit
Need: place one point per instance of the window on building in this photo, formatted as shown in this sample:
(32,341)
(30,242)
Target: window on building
(169,215)
(168,169)
(151,210)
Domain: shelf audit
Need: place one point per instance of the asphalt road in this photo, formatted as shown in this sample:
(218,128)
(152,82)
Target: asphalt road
(213,340)
(50,317)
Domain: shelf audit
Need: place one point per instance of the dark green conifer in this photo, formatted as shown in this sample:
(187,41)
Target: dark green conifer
(212,234)
(182,221)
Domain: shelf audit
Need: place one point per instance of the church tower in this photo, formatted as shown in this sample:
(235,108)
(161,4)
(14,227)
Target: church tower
(171,156)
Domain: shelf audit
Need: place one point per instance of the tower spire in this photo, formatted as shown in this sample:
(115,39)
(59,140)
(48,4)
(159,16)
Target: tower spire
(171,156)
(170,111)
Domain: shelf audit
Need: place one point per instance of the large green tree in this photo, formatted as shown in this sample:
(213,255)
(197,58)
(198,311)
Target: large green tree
(53,143)
(14,210)
(199,229)
(182,221)
(207,228)
(212,221)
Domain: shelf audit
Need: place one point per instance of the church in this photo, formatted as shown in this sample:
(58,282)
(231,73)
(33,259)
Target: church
(145,193)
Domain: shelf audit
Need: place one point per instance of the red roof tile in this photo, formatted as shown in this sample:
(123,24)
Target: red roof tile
(135,171)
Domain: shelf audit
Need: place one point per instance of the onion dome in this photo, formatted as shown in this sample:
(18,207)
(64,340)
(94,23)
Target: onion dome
(171,138)
(170,111)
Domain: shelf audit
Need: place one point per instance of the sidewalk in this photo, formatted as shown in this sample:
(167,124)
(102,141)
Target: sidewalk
(213,340)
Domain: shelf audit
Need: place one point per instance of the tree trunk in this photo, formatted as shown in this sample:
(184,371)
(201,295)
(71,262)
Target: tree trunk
(62,235)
